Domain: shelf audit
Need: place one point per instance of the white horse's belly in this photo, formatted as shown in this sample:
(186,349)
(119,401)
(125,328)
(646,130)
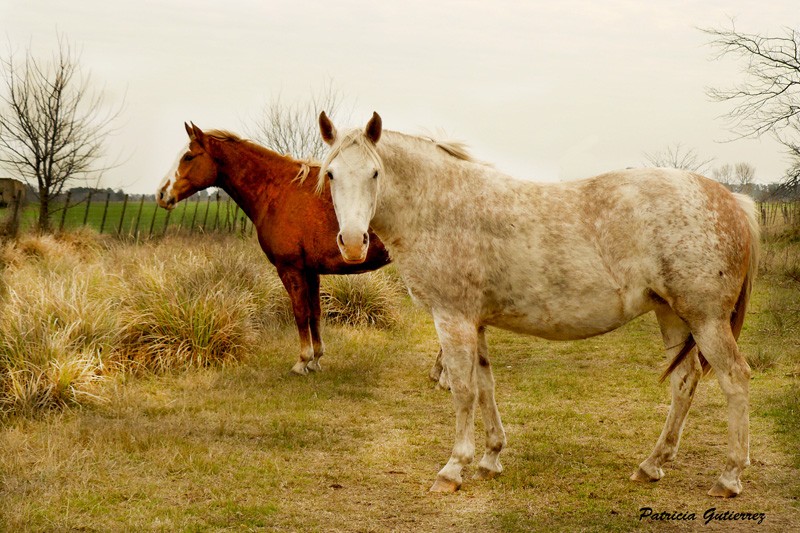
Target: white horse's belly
(569,319)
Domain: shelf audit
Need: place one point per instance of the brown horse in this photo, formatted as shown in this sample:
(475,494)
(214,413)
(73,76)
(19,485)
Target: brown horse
(296,227)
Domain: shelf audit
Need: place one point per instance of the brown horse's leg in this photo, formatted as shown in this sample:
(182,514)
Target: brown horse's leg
(312,278)
(683,382)
(296,285)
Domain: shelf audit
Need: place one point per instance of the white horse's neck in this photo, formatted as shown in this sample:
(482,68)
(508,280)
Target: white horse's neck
(423,183)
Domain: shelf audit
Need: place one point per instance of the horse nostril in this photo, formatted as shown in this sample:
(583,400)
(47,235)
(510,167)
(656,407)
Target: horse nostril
(340,240)
(366,239)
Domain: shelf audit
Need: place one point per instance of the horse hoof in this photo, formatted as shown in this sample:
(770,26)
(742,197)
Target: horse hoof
(445,485)
(300,369)
(483,473)
(721,491)
(641,475)
(313,366)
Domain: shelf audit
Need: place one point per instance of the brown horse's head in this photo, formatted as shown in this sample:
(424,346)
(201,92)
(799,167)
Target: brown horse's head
(194,171)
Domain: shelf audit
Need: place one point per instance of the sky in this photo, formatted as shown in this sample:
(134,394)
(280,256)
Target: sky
(544,90)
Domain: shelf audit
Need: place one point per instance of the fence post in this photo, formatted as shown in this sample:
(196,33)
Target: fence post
(138,216)
(205,218)
(153,221)
(122,216)
(230,218)
(64,212)
(194,215)
(166,221)
(13,227)
(105,212)
(216,213)
(183,216)
(88,204)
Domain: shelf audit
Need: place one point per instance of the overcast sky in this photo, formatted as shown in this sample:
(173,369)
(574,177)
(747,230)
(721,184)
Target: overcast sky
(545,90)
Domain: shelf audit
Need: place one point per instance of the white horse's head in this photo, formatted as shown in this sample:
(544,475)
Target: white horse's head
(353,169)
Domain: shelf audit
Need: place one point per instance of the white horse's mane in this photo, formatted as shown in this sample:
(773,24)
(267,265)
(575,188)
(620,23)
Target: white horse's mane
(456,149)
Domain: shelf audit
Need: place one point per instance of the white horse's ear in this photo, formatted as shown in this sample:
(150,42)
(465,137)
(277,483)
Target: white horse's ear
(374,128)
(326,129)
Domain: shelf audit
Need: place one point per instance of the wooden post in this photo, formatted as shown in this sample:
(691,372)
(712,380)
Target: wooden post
(194,215)
(153,221)
(208,205)
(229,222)
(166,222)
(64,212)
(216,213)
(105,212)
(88,204)
(13,228)
(122,216)
(138,216)
(183,216)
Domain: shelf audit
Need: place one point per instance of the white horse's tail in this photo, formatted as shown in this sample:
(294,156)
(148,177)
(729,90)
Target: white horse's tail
(748,206)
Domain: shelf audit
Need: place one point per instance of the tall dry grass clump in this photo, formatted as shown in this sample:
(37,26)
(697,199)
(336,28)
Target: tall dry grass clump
(56,324)
(78,307)
(369,299)
(190,306)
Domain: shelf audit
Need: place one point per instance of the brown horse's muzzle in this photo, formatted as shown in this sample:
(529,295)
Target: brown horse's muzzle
(353,246)
(165,200)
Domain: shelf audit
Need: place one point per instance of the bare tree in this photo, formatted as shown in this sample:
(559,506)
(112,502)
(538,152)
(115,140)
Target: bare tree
(678,157)
(51,127)
(744,176)
(292,128)
(768,101)
(723,174)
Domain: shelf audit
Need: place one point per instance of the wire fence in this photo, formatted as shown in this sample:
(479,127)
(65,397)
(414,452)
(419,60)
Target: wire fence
(135,216)
(139,217)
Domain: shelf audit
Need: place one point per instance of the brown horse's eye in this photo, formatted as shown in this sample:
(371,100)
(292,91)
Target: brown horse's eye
(188,157)
(329,174)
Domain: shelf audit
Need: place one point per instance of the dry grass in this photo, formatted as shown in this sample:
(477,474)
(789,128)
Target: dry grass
(79,307)
(370,299)
(251,447)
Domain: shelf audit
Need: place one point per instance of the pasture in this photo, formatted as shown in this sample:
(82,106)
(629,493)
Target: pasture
(137,217)
(147,387)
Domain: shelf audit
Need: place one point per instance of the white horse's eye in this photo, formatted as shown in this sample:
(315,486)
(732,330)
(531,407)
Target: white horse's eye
(375,176)
(329,174)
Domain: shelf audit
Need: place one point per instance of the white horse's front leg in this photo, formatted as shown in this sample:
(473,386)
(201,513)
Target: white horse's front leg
(459,340)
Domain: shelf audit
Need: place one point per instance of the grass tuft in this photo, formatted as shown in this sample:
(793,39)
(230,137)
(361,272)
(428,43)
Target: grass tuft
(370,299)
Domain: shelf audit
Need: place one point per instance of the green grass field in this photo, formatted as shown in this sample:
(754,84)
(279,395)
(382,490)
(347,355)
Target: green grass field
(138,217)
(244,445)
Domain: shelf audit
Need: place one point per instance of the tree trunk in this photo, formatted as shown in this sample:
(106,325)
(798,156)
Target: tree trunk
(44,210)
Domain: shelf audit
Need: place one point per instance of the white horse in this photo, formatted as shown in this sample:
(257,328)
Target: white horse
(559,261)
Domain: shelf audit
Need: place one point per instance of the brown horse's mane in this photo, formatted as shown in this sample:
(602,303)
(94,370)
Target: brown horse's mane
(305,164)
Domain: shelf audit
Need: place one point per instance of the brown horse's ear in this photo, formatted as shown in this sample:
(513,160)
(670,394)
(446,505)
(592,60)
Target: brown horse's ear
(374,128)
(198,135)
(189,131)
(326,129)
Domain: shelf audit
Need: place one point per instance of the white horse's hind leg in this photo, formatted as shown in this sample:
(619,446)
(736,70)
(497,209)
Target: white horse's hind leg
(683,382)
(718,345)
(489,466)
(459,341)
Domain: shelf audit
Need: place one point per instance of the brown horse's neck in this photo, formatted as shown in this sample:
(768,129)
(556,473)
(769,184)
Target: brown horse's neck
(252,175)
